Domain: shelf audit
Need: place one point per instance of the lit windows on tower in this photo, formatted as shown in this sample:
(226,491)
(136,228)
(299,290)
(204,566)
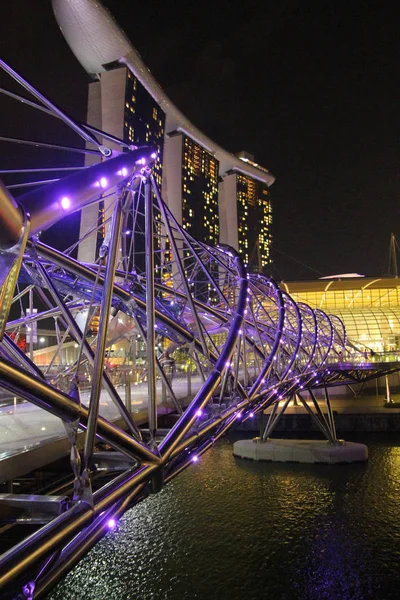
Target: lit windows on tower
(200,215)
(199,208)
(254,222)
(144,124)
(144,121)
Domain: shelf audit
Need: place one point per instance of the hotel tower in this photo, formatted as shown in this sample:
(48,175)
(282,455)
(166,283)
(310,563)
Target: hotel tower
(215,195)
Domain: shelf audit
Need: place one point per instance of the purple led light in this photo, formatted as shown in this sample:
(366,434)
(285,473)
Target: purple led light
(251,415)
(195,458)
(65,203)
(199,413)
(141,161)
(103,182)
(154,155)
(111,523)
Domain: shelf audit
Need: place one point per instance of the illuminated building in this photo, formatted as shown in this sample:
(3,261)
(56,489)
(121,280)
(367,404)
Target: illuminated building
(245,200)
(120,105)
(368,307)
(191,163)
(192,192)
(144,121)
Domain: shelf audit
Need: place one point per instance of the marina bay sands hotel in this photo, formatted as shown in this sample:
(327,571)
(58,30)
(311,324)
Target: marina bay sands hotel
(215,195)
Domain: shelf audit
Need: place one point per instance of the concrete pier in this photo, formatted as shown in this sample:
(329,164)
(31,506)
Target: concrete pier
(302,451)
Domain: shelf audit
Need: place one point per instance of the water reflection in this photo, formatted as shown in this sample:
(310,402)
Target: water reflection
(234,529)
(336,565)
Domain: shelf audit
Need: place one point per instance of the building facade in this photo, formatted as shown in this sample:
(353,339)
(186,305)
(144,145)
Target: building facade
(368,307)
(215,195)
(247,220)
(192,187)
(119,104)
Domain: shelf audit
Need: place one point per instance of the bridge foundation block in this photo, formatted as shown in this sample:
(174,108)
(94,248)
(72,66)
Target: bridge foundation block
(301,451)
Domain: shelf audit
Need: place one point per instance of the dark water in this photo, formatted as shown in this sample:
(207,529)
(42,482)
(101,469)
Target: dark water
(234,529)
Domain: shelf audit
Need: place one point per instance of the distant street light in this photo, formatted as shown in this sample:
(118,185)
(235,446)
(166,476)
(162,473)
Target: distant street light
(42,340)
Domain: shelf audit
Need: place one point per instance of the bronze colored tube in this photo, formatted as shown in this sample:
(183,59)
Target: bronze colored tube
(11,219)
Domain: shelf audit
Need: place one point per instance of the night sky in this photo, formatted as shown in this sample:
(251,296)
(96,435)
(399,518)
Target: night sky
(310,88)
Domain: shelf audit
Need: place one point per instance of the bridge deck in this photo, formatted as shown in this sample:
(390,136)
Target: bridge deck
(30,437)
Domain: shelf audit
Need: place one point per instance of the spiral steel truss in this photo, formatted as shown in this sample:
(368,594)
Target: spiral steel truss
(245,343)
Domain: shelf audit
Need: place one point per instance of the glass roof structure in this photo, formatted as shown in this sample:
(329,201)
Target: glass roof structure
(368,307)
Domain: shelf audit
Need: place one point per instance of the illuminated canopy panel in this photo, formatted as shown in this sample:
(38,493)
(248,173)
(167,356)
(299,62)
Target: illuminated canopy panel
(377,329)
(368,307)
(346,293)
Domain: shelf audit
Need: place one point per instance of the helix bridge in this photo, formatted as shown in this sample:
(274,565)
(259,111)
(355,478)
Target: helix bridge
(244,342)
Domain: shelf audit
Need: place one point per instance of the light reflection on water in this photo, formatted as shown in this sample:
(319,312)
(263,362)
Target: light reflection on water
(235,529)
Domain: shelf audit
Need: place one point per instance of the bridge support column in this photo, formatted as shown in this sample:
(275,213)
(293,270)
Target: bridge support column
(330,414)
(274,418)
(387,387)
(331,450)
(318,417)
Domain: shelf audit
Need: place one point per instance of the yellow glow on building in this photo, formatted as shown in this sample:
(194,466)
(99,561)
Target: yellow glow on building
(369,307)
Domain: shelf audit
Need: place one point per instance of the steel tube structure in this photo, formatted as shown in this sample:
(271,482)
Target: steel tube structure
(77,334)
(21,383)
(240,343)
(11,219)
(98,367)
(22,557)
(150,315)
(52,107)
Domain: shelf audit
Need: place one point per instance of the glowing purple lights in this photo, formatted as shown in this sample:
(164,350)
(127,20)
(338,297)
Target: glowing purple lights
(65,203)
(232,349)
